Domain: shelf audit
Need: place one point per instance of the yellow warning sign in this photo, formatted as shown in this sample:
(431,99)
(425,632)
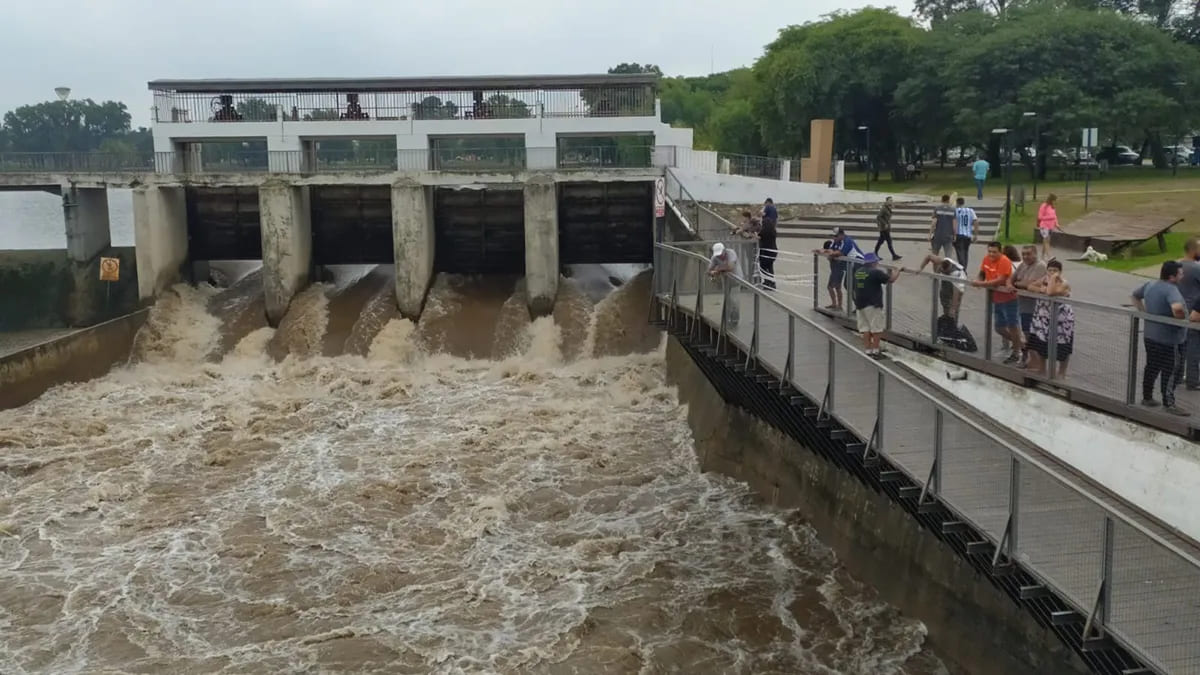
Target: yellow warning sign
(110,269)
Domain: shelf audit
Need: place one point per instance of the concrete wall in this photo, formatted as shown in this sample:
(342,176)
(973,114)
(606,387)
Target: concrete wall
(285,217)
(161,237)
(44,288)
(413,241)
(85,211)
(80,356)
(726,189)
(971,623)
(541,244)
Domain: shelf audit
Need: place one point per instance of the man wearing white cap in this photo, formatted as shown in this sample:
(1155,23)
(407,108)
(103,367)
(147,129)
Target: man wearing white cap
(722,265)
(869,281)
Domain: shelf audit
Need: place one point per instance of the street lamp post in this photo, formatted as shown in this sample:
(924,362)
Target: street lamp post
(1037,148)
(1175,149)
(868,131)
(1007,179)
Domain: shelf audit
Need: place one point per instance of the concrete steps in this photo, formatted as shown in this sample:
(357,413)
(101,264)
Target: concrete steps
(910,222)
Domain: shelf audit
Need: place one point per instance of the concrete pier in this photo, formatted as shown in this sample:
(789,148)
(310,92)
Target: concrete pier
(85,211)
(541,243)
(413,244)
(161,235)
(285,218)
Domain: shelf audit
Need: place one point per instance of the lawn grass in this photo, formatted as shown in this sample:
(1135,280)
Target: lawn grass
(1143,190)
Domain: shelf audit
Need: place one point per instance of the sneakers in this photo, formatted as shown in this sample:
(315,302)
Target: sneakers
(1149,403)
(1177,411)
(897,257)
(1012,358)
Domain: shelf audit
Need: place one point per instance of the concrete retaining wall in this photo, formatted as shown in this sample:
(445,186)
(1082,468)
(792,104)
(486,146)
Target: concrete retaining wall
(971,623)
(80,356)
(43,288)
(726,189)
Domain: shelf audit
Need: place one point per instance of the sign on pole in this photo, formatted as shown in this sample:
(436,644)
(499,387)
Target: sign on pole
(1091,137)
(110,269)
(660,198)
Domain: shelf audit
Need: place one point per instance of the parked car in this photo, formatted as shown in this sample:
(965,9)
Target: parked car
(1180,154)
(1119,154)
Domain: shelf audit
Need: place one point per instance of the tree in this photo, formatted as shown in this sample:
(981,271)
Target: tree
(432,108)
(606,102)
(65,126)
(1072,68)
(846,68)
(255,110)
(503,106)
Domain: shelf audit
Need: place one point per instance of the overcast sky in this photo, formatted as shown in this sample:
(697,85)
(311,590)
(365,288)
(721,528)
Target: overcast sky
(109,49)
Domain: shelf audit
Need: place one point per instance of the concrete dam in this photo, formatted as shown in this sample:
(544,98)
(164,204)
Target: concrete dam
(405,376)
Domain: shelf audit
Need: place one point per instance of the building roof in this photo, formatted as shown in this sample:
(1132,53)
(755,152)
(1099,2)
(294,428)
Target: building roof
(380,84)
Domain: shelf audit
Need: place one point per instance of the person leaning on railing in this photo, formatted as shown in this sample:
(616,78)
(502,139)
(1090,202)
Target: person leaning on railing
(721,266)
(1165,344)
(1054,285)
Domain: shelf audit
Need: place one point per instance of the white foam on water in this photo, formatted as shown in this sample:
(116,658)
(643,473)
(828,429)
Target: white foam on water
(401,512)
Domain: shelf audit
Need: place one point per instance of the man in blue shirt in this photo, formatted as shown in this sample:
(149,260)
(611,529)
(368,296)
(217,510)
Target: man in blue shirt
(980,171)
(842,248)
(1165,344)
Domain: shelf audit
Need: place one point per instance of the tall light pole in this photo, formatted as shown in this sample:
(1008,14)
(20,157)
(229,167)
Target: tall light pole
(868,130)
(1037,148)
(1007,179)
(1175,150)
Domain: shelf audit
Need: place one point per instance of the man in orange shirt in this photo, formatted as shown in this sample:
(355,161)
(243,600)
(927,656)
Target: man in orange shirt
(995,273)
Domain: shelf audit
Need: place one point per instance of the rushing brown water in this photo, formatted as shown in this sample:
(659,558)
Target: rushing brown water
(401,509)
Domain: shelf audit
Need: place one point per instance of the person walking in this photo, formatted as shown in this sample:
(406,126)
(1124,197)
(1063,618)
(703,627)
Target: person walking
(995,274)
(1189,286)
(964,230)
(722,266)
(1165,344)
(869,281)
(1030,271)
(1038,340)
(1047,222)
(980,170)
(883,220)
(941,229)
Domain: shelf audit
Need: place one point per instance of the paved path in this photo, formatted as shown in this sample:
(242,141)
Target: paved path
(1102,339)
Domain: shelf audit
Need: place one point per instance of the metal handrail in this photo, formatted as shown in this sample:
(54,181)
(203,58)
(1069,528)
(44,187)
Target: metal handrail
(1097,614)
(888,370)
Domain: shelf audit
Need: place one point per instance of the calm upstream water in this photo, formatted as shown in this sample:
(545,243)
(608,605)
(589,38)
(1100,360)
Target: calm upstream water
(35,219)
(352,492)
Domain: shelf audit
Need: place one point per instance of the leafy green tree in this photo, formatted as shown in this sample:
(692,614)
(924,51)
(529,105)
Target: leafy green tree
(256,110)
(433,108)
(1072,68)
(846,68)
(605,102)
(503,106)
(65,126)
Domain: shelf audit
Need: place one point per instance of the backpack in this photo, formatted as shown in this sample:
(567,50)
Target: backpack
(955,336)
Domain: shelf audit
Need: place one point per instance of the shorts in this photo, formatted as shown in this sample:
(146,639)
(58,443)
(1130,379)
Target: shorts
(836,275)
(1061,353)
(871,319)
(1045,232)
(1005,315)
(1026,322)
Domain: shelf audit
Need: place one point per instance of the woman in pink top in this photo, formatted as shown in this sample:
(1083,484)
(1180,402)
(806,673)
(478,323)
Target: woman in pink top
(1047,222)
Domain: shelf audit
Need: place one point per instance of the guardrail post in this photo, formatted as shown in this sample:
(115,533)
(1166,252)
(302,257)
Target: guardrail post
(938,432)
(987,326)
(879,407)
(790,366)
(848,285)
(829,388)
(933,311)
(816,279)
(888,312)
(754,335)
(1014,510)
(1132,362)
(1052,341)
(1106,572)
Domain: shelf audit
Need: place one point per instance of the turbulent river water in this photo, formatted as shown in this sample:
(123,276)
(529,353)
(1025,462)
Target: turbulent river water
(356,493)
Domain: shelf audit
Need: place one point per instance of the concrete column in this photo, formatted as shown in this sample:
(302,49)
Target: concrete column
(413,244)
(285,218)
(160,236)
(785,170)
(284,154)
(541,243)
(85,211)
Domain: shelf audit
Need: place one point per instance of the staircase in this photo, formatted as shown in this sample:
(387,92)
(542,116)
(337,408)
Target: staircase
(910,222)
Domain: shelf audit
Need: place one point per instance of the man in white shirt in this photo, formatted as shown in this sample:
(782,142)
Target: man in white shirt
(964,230)
(721,266)
(950,292)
